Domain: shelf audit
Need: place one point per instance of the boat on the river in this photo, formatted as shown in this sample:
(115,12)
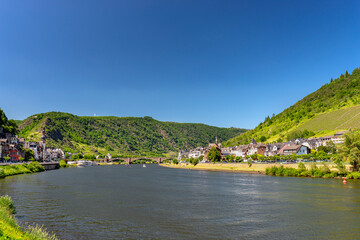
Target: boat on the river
(144,165)
(83,163)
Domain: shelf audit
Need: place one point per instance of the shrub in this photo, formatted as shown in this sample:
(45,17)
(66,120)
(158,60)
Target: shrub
(354,175)
(301,165)
(63,164)
(7,203)
(35,167)
(325,169)
(195,161)
(2,173)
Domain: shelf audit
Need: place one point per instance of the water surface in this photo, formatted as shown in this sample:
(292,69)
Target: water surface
(117,202)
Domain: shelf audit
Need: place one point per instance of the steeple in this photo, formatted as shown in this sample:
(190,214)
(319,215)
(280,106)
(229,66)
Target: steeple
(43,137)
(216,141)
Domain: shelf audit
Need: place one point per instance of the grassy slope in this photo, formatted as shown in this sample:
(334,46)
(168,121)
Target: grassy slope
(128,135)
(9,228)
(341,119)
(332,107)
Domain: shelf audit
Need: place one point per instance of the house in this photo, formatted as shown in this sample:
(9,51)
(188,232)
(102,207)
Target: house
(4,147)
(338,137)
(296,149)
(241,151)
(13,153)
(273,149)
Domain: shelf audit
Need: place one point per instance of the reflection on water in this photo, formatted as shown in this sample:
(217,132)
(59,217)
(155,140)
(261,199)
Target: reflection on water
(111,202)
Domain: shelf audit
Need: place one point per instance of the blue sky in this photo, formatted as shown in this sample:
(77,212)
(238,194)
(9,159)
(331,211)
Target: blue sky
(222,63)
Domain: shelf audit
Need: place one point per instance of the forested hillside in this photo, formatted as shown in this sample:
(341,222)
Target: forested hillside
(7,125)
(126,135)
(323,111)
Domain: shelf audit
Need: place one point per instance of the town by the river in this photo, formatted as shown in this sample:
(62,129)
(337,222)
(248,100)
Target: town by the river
(134,202)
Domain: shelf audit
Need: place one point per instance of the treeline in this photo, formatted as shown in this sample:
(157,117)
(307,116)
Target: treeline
(127,135)
(8,126)
(338,93)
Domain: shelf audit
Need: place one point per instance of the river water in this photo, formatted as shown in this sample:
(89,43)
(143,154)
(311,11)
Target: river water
(117,202)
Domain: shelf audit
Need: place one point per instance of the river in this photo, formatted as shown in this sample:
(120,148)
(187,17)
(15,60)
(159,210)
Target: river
(117,202)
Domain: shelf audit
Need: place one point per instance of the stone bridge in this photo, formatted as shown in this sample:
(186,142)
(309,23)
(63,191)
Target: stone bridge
(50,165)
(130,160)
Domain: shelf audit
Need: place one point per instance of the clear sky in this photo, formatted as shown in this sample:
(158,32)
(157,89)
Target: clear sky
(222,63)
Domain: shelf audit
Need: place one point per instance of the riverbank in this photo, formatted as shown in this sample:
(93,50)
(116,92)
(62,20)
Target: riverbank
(10,170)
(223,167)
(317,170)
(10,229)
(257,168)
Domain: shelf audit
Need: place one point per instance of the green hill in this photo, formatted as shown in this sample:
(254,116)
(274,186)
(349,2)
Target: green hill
(125,135)
(7,125)
(335,106)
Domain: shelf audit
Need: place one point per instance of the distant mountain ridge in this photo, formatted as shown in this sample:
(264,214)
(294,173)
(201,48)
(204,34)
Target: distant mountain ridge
(121,135)
(333,107)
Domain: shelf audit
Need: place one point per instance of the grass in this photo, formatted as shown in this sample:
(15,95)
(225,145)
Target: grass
(11,170)
(341,119)
(9,228)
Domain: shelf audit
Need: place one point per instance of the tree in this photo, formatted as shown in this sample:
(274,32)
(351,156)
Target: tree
(214,155)
(262,139)
(9,126)
(350,150)
(29,155)
(67,155)
(195,161)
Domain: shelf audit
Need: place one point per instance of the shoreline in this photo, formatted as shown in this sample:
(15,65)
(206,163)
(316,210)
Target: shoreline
(223,167)
(242,168)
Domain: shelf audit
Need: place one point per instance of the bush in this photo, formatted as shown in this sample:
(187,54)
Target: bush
(195,161)
(301,165)
(2,173)
(300,172)
(354,175)
(325,169)
(35,167)
(7,203)
(63,164)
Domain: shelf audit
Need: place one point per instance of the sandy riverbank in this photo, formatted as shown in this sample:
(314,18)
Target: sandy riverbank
(257,168)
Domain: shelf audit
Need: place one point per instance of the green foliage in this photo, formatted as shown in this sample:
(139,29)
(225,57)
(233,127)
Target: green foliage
(230,158)
(9,126)
(2,173)
(35,167)
(77,156)
(301,166)
(92,156)
(128,135)
(175,161)
(353,175)
(9,229)
(300,134)
(300,172)
(214,155)
(63,164)
(324,109)
(29,155)
(350,150)
(7,203)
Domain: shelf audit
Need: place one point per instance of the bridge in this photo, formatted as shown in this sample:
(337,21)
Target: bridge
(130,160)
(50,165)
